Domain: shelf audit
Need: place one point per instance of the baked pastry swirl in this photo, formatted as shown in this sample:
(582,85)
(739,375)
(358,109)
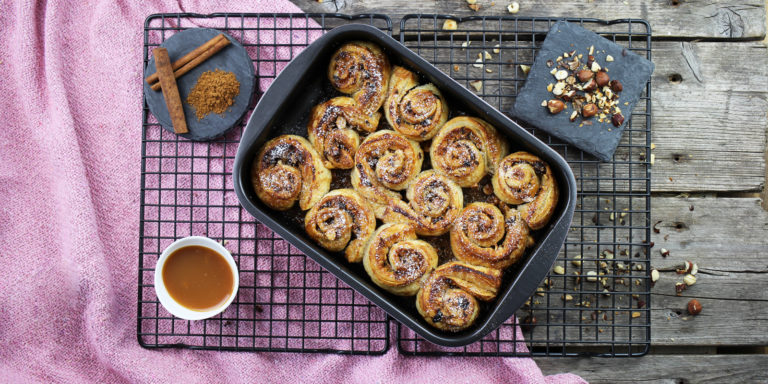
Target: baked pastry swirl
(361,69)
(331,130)
(338,216)
(448,298)
(385,162)
(287,169)
(396,260)
(525,179)
(416,111)
(465,149)
(434,202)
(483,236)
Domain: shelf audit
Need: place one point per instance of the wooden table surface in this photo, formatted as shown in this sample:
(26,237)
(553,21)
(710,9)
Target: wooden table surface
(709,130)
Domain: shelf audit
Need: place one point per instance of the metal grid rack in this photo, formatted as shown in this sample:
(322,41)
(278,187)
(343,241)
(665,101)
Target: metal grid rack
(287,302)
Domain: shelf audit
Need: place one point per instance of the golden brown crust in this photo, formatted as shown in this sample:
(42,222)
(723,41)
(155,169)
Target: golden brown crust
(465,149)
(338,216)
(396,260)
(448,297)
(434,202)
(483,236)
(361,69)
(525,179)
(331,130)
(385,162)
(416,111)
(287,169)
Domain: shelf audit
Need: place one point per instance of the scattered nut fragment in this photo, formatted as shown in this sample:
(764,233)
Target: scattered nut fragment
(497,50)
(540,291)
(567,298)
(616,86)
(559,88)
(590,110)
(636,315)
(478,63)
(529,322)
(590,86)
(513,7)
(609,58)
(686,268)
(558,270)
(694,307)
(595,67)
(549,87)
(450,25)
(487,55)
(618,119)
(591,276)
(653,159)
(523,67)
(543,103)
(679,288)
(602,78)
(591,50)
(573,116)
(489,70)
(654,275)
(474,7)
(689,280)
(471,1)
(465,44)
(576,261)
(550,63)
(477,84)
(555,106)
(561,74)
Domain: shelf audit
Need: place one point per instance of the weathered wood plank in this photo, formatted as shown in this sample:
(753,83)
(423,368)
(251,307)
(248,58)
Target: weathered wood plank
(744,19)
(672,369)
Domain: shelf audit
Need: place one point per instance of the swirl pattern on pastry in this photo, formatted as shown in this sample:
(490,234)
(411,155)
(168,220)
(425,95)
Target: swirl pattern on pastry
(525,179)
(338,216)
(483,236)
(287,169)
(396,260)
(434,202)
(385,162)
(416,111)
(465,149)
(331,130)
(361,69)
(448,297)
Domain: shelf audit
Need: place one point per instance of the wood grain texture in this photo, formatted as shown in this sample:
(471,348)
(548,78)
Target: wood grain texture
(743,19)
(669,369)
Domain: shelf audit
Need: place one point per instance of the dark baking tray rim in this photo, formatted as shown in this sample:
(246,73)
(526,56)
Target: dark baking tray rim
(530,271)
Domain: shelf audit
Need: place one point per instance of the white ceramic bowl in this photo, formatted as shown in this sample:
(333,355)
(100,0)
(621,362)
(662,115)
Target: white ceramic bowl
(165,298)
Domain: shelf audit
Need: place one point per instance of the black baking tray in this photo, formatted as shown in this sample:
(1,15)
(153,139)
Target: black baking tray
(284,108)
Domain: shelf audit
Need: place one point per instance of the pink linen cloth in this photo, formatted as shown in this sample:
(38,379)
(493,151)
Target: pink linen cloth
(69,184)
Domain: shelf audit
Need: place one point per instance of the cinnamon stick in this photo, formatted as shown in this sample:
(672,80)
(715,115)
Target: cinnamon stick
(203,56)
(164,72)
(151,79)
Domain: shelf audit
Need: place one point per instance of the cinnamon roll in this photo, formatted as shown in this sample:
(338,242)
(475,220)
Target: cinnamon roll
(361,69)
(434,202)
(338,216)
(331,130)
(448,298)
(483,236)
(287,169)
(465,149)
(525,179)
(416,111)
(396,260)
(385,162)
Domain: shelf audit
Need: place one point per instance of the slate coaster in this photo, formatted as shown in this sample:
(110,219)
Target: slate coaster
(598,139)
(233,58)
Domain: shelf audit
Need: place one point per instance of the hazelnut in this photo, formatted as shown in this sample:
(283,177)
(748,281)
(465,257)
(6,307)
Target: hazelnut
(664,252)
(679,288)
(694,307)
(555,106)
(616,86)
(576,261)
(617,120)
(529,322)
(689,279)
(561,74)
(558,270)
(602,78)
(584,75)
(450,25)
(590,86)
(590,60)
(589,110)
(654,275)
(591,276)
(574,115)
(513,7)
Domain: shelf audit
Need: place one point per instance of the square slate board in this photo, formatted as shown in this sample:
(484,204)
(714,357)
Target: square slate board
(598,139)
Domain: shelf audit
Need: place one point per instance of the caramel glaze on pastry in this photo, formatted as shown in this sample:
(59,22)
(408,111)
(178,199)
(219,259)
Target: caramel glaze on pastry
(338,216)
(287,169)
(524,179)
(448,297)
(385,162)
(396,260)
(483,236)
(465,149)
(362,70)
(416,111)
(331,130)
(434,202)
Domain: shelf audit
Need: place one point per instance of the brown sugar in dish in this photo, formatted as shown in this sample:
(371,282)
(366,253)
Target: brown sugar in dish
(214,91)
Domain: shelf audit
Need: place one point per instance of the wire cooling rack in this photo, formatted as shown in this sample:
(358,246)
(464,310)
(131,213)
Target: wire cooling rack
(286,302)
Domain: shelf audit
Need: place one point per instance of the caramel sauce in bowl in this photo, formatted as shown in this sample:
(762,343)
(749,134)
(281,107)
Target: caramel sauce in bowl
(196,278)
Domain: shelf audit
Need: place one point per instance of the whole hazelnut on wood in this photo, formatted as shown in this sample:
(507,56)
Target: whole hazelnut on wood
(694,307)
(589,110)
(584,75)
(602,79)
(616,86)
(555,106)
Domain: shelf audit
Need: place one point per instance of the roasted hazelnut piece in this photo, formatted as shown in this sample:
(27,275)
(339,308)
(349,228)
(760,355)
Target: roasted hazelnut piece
(602,79)
(590,60)
(617,119)
(589,110)
(529,322)
(555,106)
(616,86)
(584,75)
(694,307)
(590,86)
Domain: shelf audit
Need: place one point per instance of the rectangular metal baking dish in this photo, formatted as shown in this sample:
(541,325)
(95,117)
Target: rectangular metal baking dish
(284,109)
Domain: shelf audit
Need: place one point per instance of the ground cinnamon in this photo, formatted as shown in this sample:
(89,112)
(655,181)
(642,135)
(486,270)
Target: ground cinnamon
(215,91)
